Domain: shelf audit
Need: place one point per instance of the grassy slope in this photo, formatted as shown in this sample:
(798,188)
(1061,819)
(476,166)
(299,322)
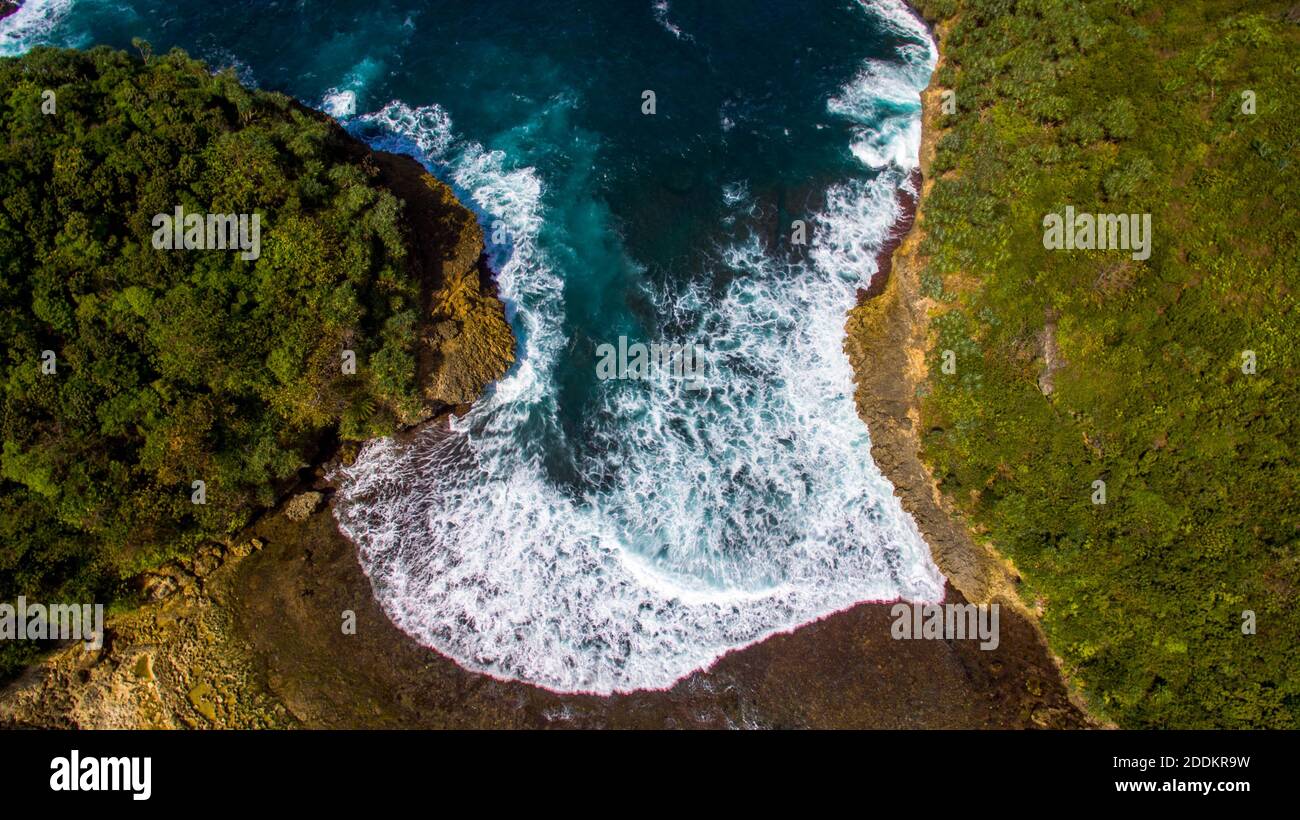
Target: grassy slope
(1128,107)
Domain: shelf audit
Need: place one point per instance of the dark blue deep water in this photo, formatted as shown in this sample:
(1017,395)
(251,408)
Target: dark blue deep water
(573,531)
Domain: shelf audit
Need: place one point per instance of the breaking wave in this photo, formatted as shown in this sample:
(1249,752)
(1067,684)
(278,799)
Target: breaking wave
(33,24)
(695,521)
(883,101)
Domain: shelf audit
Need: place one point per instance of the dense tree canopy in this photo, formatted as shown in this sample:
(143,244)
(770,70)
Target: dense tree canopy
(172,367)
(1128,106)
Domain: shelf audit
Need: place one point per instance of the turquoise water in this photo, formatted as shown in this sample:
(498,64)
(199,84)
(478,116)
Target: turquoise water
(607,535)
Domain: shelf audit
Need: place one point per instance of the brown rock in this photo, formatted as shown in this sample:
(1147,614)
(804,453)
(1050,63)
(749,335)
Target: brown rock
(301,506)
(208,559)
(159,587)
(465,343)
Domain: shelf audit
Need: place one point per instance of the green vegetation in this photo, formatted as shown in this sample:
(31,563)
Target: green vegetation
(1128,106)
(177,366)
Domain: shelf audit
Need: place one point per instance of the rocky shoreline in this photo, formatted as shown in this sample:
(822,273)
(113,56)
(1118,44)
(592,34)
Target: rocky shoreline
(8,7)
(279,627)
(887,342)
(907,202)
(253,637)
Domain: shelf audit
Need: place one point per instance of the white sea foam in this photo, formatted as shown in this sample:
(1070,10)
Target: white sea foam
(340,104)
(883,99)
(660,9)
(707,519)
(897,17)
(428,127)
(31,25)
(736,194)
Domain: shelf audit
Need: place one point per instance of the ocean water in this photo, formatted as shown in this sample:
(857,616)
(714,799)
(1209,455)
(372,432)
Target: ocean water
(610,535)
